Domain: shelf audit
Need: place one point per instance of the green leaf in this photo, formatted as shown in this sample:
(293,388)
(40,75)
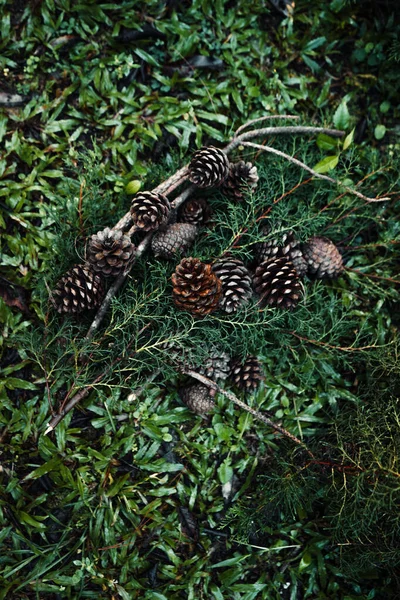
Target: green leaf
(43,469)
(28,520)
(225,471)
(326,142)
(348,140)
(379,132)
(341,118)
(230,561)
(326,164)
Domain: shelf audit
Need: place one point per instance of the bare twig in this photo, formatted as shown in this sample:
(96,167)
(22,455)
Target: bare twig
(211,384)
(266,118)
(307,168)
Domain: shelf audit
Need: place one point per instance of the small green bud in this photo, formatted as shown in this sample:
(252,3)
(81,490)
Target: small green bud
(133,186)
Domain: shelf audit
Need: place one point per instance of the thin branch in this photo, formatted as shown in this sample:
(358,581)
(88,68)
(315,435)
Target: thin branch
(211,384)
(266,118)
(238,140)
(307,168)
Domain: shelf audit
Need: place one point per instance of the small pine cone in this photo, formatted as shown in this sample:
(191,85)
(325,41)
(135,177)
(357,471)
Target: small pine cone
(196,288)
(198,397)
(216,366)
(322,257)
(110,252)
(209,167)
(236,283)
(195,211)
(277,282)
(287,247)
(81,288)
(175,239)
(150,210)
(248,375)
(242,178)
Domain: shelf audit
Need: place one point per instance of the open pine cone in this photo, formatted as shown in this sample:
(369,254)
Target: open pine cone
(195,211)
(81,288)
(236,283)
(109,252)
(209,167)
(242,178)
(196,288)
(277,283)
(287,246)
(150,210)
(246,376)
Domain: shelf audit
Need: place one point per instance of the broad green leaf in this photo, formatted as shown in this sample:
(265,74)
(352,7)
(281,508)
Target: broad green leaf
(341,118)
(225,471)
(326,142)
(326,164)
(379,132)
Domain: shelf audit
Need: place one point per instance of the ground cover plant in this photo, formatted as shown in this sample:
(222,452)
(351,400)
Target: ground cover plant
(133,494)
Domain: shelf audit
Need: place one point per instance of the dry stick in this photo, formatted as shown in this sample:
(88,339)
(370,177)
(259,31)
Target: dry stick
(319,175)
(267,118)
(211,384)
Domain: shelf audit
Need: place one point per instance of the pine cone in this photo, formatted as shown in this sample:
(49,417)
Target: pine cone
(196,288)
(81,288)
(248,375)
(195,211)
(216,366)
(242,178)
(323,257)
(198,397)
(287,246)
(208,167)
(150,210)
(110,252)
(175,239)
(236,283)
(277,282)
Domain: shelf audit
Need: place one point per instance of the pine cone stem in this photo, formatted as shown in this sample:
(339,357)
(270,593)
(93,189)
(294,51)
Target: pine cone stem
(211,384)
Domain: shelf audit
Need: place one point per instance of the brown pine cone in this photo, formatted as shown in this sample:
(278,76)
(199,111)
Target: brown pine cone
(243,177)
(287,245)
(322,257)
(174,239)
(248,375)
(236,283)
(81,288)
(277,283)
(109,252)
(196,288)
(150,210)
(208,167)
(195,211)
(198,397)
